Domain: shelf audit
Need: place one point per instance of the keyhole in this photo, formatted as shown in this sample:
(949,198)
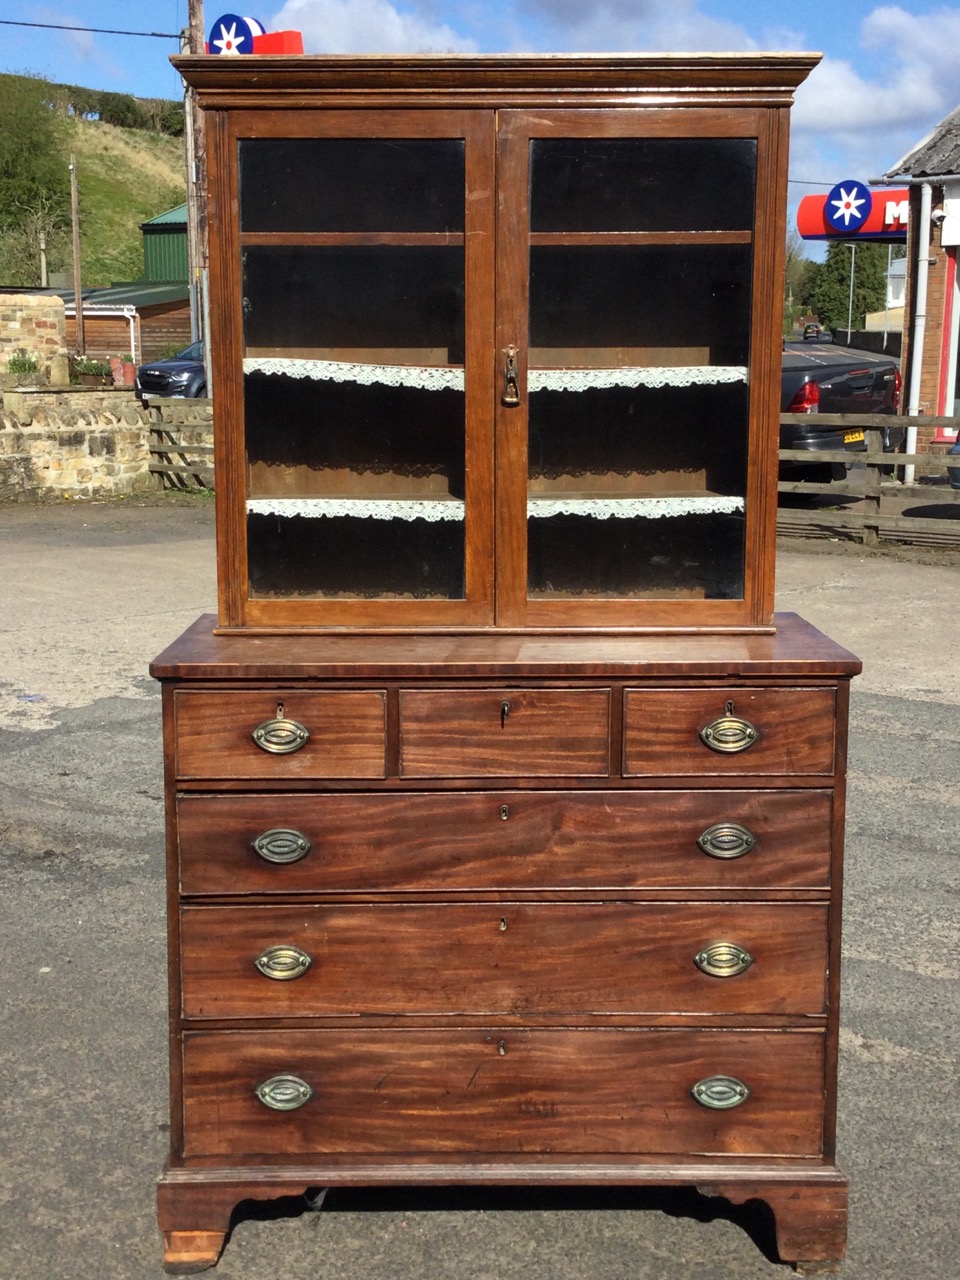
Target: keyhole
(504,712)
(502,1048)
(503,924)
(504,812)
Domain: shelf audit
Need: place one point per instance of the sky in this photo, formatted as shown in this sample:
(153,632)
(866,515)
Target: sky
(890,72)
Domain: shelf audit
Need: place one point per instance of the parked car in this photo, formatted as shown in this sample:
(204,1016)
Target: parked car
(953,473)
(182,374)
(837,380)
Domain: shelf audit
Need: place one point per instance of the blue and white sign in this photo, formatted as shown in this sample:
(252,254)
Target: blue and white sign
(848,205)
(232,35)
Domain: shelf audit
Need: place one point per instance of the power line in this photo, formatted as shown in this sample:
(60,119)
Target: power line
(100,31)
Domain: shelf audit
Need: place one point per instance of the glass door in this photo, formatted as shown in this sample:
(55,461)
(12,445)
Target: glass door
(366,462)
(626,278)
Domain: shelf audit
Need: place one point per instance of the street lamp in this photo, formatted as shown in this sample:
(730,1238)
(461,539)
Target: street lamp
(853,258)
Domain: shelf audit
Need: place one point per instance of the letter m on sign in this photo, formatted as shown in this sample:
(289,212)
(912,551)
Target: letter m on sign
(896,211)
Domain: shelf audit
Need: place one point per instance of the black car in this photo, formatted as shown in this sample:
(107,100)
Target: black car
(182,374)
(836,380)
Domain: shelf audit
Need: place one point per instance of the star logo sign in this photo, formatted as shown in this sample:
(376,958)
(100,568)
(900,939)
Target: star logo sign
(848,206)
(228,42)
(232,35)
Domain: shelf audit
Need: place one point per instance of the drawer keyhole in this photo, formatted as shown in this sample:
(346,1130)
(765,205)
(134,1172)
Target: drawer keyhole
(504,712)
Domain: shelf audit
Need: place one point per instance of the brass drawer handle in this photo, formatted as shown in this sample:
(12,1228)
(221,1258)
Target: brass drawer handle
(282,845)
(723,960)
(283,962)
(720,1093)
(281,736)
(284,1093)
(729,733)
(727,840)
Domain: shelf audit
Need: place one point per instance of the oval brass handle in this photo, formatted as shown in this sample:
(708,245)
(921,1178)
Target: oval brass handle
(727,840)
(723,960)
(729,733)
(284,1093)
(282,962)
(720,1093)
(282,844)
(281,736)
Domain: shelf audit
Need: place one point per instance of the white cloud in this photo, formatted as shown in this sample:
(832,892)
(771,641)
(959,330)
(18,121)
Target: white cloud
(617,25)
(916,84)
(366,26)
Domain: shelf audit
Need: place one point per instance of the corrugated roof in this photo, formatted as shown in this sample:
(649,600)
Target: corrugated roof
(938,153)
(118,295)
(173,217)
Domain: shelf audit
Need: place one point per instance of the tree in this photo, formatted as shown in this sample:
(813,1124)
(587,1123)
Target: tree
(831,295)
(32,173)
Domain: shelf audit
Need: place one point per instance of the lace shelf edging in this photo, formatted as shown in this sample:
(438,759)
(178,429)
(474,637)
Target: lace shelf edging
(436,378)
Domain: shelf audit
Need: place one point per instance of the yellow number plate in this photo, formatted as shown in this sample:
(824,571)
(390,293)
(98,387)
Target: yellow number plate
(851,437)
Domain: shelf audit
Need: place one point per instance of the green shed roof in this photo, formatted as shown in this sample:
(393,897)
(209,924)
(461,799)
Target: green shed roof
(172,218)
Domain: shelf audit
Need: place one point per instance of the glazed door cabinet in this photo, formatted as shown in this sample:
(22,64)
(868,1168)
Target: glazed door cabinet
(495,367)
(358,366)
(626,267)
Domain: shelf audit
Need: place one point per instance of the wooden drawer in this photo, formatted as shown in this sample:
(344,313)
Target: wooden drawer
(214,733)
(481,733)
(503,840)
(503,1090)
(545,959)
(795,731)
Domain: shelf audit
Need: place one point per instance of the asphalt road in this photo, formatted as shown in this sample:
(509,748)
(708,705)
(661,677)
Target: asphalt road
(88,595)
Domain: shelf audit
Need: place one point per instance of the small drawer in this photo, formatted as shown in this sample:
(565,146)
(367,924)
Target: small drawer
(280,734)
(503,1090)
(504,840)
(729,731)
(503,959)
(482,733)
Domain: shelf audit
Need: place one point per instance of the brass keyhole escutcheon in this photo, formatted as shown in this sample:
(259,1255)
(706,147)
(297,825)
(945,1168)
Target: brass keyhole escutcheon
(511,378)
(503,924)
(504,812)
(504,712)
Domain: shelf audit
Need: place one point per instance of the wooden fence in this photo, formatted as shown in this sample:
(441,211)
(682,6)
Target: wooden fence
(869,503)
(181,455)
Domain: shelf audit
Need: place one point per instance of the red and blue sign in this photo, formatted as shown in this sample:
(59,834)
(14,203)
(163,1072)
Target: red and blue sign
(851,211)
(232,35)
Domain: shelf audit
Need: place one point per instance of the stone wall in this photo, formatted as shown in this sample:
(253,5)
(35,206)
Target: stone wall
(35,325)
(87,443)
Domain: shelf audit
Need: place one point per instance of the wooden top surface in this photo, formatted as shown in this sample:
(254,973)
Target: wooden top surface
(769,76)
(795,649)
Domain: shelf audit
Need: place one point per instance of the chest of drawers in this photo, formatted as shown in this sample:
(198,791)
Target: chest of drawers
(504,910)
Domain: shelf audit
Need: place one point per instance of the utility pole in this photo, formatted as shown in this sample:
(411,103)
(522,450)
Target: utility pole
(192,41)
(78,341)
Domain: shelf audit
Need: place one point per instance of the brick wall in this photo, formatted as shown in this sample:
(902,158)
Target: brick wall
(34,325)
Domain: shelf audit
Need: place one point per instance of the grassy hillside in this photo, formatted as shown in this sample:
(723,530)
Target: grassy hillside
(124,177)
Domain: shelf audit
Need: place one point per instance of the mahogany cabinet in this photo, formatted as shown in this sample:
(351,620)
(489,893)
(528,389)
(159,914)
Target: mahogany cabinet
(504,818)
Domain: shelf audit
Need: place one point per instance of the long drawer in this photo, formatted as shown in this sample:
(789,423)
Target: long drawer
(788,731)
(345,734)
(503,1090)
(463,841)
(547,959)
